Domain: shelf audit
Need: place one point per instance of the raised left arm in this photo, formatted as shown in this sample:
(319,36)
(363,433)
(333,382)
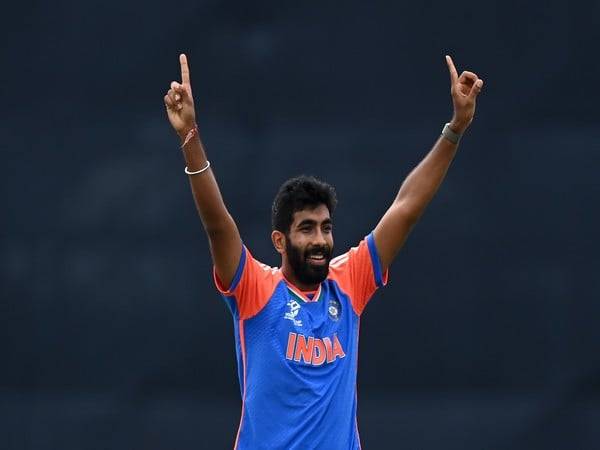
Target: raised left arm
(422,183)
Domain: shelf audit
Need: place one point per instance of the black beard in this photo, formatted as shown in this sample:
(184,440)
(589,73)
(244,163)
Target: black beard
(304,271)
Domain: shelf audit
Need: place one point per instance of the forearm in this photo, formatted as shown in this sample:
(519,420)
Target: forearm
(207,196)
(422,183)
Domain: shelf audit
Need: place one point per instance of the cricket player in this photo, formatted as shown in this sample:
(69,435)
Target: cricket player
(297,326)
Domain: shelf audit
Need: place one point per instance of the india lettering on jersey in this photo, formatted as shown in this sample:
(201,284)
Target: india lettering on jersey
(297,356)
(313,350)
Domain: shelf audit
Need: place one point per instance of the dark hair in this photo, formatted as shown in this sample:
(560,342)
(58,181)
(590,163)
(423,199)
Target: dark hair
(296,194)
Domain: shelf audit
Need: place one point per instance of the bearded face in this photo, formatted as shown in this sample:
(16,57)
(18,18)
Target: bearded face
(306,247)
(311,263)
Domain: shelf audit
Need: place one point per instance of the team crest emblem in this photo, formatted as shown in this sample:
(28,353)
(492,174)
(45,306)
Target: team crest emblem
(293,312)
(334,309)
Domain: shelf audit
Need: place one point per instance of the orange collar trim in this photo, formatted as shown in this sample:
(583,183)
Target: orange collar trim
(302,295)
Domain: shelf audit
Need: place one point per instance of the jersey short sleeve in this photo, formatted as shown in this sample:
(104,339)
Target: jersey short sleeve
(251,288)
(358,272)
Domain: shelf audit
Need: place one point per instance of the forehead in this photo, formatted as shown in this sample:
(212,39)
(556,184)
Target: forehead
(318,214)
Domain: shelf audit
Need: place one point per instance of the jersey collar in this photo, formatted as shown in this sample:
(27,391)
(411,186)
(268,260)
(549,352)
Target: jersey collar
(300,295)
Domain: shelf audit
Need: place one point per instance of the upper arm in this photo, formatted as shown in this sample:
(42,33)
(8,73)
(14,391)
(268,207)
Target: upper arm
(391,232)
(226,249)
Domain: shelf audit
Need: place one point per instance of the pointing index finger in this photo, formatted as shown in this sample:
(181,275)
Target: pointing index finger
(452,69)
(185,70)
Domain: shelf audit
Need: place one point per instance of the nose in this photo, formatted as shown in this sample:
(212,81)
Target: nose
(319,239)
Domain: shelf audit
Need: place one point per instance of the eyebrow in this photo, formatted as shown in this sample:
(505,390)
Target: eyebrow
(312,222)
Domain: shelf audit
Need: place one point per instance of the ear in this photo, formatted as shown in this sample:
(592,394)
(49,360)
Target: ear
(278,239)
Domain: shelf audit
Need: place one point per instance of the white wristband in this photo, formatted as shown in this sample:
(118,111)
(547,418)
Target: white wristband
(198,171)
(451,135)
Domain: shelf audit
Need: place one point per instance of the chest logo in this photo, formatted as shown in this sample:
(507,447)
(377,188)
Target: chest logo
(293,312)
(334,309)
(312,350)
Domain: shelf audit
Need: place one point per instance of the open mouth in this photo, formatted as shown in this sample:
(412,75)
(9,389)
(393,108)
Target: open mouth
(317,258)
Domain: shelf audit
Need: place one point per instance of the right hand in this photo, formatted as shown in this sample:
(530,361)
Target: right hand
(464,91)
(180,103)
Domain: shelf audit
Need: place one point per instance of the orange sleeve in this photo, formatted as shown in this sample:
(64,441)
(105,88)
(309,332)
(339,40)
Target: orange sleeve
(358,273)
(251,287)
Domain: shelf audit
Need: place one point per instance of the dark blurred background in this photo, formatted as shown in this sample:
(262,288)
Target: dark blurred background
(112,335)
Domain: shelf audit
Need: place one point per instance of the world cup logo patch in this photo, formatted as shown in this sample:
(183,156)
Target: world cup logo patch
(293,312)
(333,309)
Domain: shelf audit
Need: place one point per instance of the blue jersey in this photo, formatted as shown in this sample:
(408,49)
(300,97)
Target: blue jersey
(297,356)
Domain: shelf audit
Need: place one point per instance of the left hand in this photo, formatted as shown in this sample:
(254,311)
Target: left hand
(180,102)
(464,91)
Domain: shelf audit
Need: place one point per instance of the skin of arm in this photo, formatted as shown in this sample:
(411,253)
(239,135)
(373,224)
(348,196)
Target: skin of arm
(221,229)
(422,183)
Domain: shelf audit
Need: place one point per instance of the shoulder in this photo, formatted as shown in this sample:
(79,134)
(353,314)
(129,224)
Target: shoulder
(252,286)
(358,272)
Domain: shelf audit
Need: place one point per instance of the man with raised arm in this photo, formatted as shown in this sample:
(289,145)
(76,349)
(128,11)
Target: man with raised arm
(296,327)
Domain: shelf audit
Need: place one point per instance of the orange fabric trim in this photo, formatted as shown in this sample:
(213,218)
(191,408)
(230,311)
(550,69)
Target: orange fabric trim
(300,293)
(254,288)
(243,345)
(355,275)
(356,385)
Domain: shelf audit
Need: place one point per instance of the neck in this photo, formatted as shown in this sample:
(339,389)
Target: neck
(289,275)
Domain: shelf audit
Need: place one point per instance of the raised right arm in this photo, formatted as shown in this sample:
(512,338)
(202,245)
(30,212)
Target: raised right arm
(222,232)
